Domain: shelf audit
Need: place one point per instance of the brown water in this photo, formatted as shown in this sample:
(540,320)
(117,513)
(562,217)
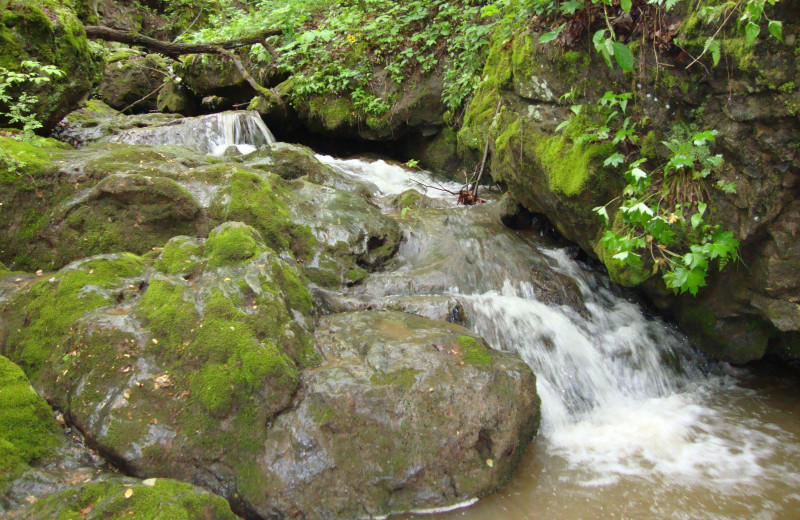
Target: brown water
(636,424)
(549,487)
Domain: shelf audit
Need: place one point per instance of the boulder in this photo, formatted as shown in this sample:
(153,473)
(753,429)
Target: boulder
(48,31)
(404,413)
(132,79)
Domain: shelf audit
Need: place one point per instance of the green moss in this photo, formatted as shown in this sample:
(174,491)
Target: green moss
(473,352)
(404,377)
(408,199)
(171,318)
(47,312)
(38,157)
(28,431)
(231,243)
(333,114)
(180,255)
(570,167)
(165,499)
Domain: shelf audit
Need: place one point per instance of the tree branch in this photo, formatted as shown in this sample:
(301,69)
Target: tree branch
(99,32)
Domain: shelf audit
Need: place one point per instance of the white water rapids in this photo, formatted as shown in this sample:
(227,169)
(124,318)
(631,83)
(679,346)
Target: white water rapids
(635,423)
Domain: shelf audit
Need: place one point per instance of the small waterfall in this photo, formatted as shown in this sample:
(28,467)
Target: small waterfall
(629,408)
(211,134)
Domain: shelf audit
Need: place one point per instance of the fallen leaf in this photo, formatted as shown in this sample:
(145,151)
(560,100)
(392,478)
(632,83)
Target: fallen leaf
(149,482)
(489,462)
(128,493)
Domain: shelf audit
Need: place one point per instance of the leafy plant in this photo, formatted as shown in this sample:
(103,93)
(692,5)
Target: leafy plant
(20,111)
(661,219)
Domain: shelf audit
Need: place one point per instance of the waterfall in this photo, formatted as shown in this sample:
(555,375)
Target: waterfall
(629,408)
(211,134)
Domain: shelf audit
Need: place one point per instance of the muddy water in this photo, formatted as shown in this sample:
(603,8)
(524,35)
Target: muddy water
(636,424)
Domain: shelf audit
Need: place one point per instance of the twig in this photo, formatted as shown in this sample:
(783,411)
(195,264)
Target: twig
(714,37)
(440,188)
(485,151)
(190,25)
(142,99)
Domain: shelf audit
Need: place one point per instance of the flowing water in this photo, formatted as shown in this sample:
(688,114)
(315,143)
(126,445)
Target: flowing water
(212,134)
(635,423)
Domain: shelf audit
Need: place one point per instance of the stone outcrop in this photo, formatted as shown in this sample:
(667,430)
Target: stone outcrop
(751,308)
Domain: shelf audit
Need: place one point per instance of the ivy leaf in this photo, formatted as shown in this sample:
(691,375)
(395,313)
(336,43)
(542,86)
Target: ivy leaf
(623,56)
(774,29)
(614,160)
(697,219)
(601,210)
(626,5)
(751,31)
(570,6)
(700,138)
(552,35)
(638,174)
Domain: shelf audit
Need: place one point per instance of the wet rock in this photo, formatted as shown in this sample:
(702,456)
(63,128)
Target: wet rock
(288,161)
(354,235)
(174,98)
(512,214)
(405,413)
(96,120)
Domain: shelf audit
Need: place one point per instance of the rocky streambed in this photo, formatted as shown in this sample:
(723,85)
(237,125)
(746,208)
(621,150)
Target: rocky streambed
(170,321)
(313,337)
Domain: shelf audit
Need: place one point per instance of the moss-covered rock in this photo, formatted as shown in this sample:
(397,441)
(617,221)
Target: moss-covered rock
(48,31)
(28,431)
(132,77)
(187,362)
(405,413)
(118,498)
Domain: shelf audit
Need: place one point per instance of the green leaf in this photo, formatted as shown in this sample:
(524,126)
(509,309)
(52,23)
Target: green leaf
(601,210)
(563,125)
(552,35)
(638,174)
(623,56)
(751,31)
(615,160)
(775,29)
(702,207)
(626,5)
(697,219)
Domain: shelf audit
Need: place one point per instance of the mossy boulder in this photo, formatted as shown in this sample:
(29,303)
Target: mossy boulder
(185,361)
(288,161)
(404,413)
(48,31)
(118,498)
(132,77)
(354,235)
(28,431)
(96,120)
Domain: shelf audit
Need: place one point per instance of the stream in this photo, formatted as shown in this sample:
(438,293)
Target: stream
(635,423)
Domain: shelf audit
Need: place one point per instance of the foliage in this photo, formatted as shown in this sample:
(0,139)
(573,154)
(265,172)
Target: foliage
(20,111)
(340,48)
(608,43)
(662,214)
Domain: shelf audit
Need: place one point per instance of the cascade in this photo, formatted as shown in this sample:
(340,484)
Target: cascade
(210,134)
(635,422)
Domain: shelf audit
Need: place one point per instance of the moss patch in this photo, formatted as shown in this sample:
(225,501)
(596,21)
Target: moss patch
(231,243)
(28,431)
(119,499)
(53,305)
(473,352)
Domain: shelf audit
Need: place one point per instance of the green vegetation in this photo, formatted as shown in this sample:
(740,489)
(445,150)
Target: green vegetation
(118,499)
(28,431)
(661,216)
